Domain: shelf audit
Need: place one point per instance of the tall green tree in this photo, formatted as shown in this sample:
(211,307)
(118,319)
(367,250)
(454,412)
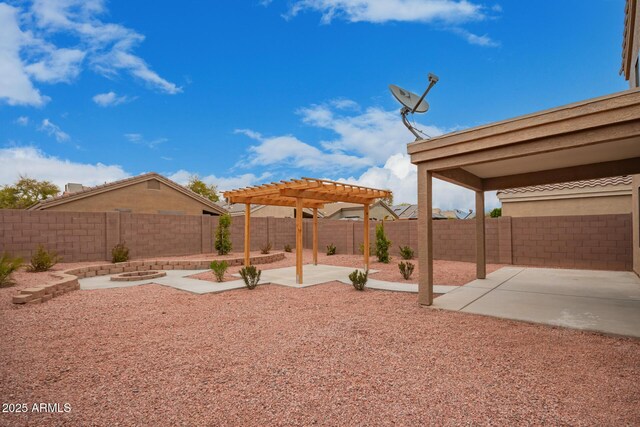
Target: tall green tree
(223,235)
(26,192)
(200,187)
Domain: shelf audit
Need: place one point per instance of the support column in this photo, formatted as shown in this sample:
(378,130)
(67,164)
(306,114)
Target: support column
(315,236)
(481,260)
(366,237)
(425,236)
(299,215)
(247,234)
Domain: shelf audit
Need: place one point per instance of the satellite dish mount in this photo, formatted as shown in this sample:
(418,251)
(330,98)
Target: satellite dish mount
(412,103)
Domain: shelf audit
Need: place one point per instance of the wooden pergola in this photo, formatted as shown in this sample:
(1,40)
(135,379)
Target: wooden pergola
(303,193)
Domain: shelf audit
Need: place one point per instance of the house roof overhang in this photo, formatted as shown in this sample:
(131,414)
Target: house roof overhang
(595,138)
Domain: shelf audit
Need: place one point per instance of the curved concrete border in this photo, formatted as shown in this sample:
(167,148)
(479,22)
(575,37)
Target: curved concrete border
(68,280)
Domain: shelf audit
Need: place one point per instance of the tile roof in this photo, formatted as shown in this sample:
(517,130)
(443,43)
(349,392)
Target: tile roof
(572,185)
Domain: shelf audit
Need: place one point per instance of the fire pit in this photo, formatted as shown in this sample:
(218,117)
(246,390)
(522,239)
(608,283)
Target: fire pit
(138,275)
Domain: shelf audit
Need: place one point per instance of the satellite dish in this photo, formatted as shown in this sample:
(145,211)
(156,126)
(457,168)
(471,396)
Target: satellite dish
(409,99)
(412,103)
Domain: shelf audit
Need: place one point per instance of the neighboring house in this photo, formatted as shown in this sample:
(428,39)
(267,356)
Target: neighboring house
(148,193)
(411,212)
(355,211)
(590,197)
(261,211)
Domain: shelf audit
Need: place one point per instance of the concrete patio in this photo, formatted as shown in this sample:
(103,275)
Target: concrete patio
(603,301)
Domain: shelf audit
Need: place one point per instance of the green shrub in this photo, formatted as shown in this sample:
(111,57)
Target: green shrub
(496,213)
(223,235)
(8,265)
(219,268)
(331,249)
(266,248)
(119,253)
(287,248)
(382,244)
(251,276)
(406,252)
(359,279)
(406,269)
(43,260)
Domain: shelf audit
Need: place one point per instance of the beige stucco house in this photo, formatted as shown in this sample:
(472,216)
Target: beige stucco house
(589,197)
(263,211)
(355,211)
(149,193)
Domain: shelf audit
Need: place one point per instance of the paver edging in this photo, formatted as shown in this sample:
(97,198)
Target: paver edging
(68,280)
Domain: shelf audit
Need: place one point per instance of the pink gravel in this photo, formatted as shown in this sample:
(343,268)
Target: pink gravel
(325,355)
(445,272)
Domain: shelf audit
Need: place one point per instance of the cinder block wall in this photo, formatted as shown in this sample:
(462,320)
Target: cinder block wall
(592,242)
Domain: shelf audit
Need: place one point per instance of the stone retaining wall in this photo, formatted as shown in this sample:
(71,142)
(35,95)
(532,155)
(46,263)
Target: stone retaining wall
(68,280)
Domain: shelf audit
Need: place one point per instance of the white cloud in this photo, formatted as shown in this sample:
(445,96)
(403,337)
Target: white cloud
(451,13)
(138,138)
(400,176)
(28,54)
(110,99)
(34,163)
(223,183)
(289,150)
(375,134)
(15,86)
(22,120)
(483,40)
(379,11)
(54,130)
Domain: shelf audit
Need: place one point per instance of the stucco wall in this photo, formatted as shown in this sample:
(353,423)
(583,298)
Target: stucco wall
(584,206)
(139,198)
(636,223)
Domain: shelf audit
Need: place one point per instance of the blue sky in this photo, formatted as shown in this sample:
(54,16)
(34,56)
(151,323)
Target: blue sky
(246,92)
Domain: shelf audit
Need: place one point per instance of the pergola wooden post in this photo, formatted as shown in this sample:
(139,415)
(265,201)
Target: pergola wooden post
(425,236)
(299,215)
(247,234)
(481,259)
(315,236)
(304,193)
(366,237)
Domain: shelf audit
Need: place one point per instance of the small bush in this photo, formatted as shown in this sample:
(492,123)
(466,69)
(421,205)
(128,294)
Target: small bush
(406,252)
(43,260)
(496,213)
(406,269)
(223,235)
(382,244)
(219,268)
(251,276)
(8,265)
(287,248)
(331,249)
(119,253)
(359,279)
(266,248)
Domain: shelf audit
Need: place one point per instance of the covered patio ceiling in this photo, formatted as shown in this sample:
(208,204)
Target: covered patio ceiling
(595,138)
(305,193)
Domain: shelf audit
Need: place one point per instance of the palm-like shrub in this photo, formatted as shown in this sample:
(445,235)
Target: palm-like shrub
(359,279)
(331,249)
(251,276)
(266,248)
(8,265)
(406,269)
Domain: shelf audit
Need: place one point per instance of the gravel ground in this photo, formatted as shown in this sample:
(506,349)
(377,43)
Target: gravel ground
(325,355)
(445,272)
